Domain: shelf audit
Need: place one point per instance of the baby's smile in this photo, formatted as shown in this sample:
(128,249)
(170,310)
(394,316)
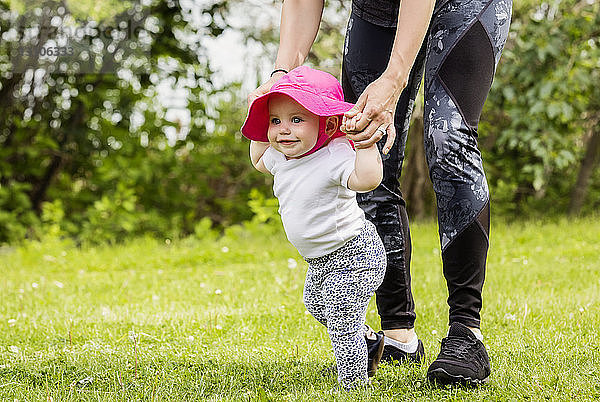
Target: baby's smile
(288,142)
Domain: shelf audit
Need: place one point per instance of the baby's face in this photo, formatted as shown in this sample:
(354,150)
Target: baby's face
(292,130)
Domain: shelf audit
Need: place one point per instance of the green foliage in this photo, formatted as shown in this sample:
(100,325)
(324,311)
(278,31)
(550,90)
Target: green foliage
(112,217)
(94,9)
(265,222)
(88,156)
(16,216)
(265,210)
(53,215)
(98,10)
(203,230)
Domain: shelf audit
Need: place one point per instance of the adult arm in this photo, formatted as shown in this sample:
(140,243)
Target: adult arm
(377,104)
(368,170)
(300,20)
(257,150)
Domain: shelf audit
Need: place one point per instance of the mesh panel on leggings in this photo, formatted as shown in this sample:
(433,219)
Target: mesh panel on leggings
(468,71)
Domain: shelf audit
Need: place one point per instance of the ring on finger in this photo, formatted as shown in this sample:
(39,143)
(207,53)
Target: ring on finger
(382,130)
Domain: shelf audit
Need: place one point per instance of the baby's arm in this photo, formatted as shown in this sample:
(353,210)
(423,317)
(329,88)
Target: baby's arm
(257,150)
(368,170)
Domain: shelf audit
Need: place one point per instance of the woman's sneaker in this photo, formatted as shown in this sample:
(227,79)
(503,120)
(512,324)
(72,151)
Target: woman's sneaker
(462,359)
(393,354)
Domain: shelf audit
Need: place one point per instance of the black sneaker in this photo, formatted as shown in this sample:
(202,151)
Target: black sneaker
(462,360)
(393,354)
(375,351)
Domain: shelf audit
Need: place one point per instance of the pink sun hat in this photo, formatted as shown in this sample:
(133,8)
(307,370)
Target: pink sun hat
(319,92)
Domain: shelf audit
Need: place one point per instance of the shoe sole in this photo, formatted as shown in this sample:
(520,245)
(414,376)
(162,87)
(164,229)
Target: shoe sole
(442,377)
(376,359)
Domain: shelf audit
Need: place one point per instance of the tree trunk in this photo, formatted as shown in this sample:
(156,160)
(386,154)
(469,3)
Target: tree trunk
(415,182)
(39,192)
(588,164)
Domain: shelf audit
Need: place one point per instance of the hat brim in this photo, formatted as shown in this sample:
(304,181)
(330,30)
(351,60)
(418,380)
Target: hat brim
(257,122)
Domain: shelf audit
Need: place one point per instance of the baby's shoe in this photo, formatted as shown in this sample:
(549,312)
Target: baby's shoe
(375,347)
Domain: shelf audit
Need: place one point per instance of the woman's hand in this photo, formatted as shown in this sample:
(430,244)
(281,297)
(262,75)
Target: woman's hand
(373,114)
(264,88)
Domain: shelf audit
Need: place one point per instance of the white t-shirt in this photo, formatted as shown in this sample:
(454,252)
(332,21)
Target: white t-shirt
(319,212)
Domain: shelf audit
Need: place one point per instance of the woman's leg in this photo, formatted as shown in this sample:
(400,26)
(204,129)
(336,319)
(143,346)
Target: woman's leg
(366,54)
(465,42)
(464,45)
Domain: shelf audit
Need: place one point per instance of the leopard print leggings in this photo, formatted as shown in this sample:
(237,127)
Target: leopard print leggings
(337,291)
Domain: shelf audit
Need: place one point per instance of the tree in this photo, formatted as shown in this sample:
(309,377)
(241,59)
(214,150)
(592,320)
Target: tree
(87,146)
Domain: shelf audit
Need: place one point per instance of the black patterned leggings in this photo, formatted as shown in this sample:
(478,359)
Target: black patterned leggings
(459,58)
(337,291)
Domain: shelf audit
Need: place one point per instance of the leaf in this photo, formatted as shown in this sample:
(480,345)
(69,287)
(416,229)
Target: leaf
(546,89)
(553,110)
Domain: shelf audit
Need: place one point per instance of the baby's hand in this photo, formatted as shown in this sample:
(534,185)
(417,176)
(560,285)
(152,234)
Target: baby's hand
(349,125)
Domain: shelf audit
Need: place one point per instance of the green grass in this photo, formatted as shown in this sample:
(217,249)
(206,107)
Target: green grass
(222,319)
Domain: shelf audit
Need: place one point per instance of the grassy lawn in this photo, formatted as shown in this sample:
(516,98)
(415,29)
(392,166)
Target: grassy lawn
(222,319)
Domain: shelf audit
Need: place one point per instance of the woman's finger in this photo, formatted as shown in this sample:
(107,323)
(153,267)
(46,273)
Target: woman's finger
(358,106)
(263,89)
(391,137)
(251,98)
(369,142)
(367,137)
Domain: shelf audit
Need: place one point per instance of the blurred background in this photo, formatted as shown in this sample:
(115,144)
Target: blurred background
(122,118)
